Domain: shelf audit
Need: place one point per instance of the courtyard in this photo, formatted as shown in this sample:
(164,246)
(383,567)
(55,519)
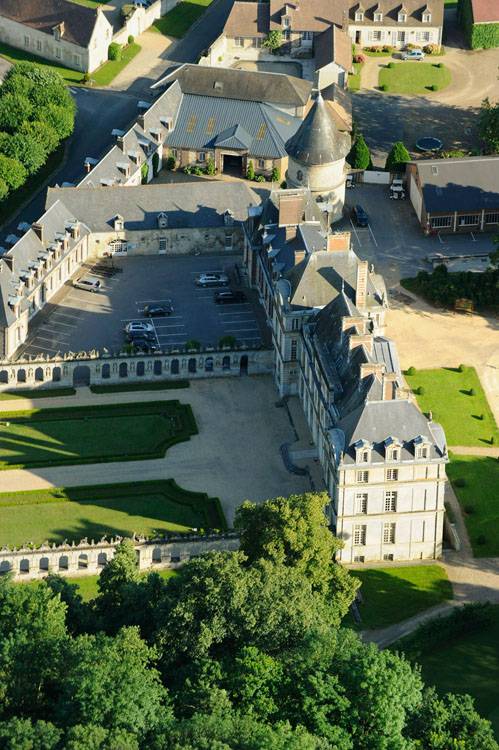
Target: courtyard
(78,320)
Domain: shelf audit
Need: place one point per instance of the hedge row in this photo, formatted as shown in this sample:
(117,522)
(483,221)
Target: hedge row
(478,36)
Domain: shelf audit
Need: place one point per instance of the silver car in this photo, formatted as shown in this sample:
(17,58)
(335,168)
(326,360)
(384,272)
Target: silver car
(212,279)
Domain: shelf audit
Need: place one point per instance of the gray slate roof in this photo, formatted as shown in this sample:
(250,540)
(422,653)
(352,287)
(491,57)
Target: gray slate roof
(318,140)
(469,184)
(187,204)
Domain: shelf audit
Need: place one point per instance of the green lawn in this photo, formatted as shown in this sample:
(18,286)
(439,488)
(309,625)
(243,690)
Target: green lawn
(355,78)
(479,499)
(115,432)
(147,508)
(447,396)
(154,386)
(104,75)
(87,585)
(180,18)
(413,77)
(469,664)
(390,595)
(14,55)
(90,3)
(36,393)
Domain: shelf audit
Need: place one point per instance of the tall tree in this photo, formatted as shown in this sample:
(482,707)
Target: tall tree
(359,156)
(23,734)
(488,125)
(397,158)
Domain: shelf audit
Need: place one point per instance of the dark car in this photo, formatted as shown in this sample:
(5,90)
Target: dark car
(360,217)
(141,336)
(228,298)
(158,311)
(144,345)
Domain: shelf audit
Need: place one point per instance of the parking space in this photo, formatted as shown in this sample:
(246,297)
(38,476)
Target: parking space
(394,241)
(82,320)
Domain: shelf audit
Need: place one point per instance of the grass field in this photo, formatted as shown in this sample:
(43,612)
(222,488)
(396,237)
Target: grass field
(447,395)
(90,3)
(87,585)
(36,393)
(469,664)
(355,78)
(413,77)
(391,595)
(180,18)
(72,513)
(478,499)
(14,55)
(155,386)
(115,432)
(104,75)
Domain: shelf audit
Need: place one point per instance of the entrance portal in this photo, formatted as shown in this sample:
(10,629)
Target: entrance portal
(232,165)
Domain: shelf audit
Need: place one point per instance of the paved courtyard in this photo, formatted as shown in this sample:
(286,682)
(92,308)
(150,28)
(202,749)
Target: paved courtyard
(234,457)
(82,320)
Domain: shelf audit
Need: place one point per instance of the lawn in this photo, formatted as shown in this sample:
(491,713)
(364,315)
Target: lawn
(150,509)
(104,75)
(456,400)
(469,664)
(154,386)
(36,393)
(354,78)
(14,55)
(87,585)
(413,77)
(390,595)
(90,3)
(115,432)
(478,499)
(180,18)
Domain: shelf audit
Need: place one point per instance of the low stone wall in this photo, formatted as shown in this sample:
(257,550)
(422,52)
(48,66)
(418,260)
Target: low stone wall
(89,558)
(94,368)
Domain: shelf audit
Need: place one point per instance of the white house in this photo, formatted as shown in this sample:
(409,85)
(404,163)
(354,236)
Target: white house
(396,23)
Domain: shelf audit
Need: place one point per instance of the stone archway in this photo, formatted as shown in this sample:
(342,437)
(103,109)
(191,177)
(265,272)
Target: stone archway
(81,376)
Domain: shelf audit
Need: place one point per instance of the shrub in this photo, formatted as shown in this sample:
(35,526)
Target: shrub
(273,40)
(471,392)
(359,59)
(383,87)
(197,171)
(86,78)
(130,39)
(397,158)
(229,341)
(155,163)
(171,163)
(260,178)
(284,185)
(461,368)
(460,482)
(210,167)
(187,170)
(12,172)
(250,171)
(411,370)
(359,156)
(276,175)
(433,87)
(390,65)
(193,344)
(114,51)
(4,189)
(144,173)
(420,391)
(430,49)
(387,48)
(492,440)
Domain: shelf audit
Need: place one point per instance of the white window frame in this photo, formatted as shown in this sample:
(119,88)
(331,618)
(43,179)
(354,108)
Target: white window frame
(389,533)
(39,45)
(402,18)
(361,503)
(286,22)
(390,503)
(378,17)
(422,451)
(239,41)
(392,475)
(362,477)
(359,535)
(426,17)
(441,222)
(359,16)
(27,41)
(202,156)
(261,163)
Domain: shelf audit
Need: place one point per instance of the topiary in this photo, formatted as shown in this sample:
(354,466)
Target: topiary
(420,391)
(250,171)
(461,368)
(130,39)
(383,87)
(471,392)
(114,51)
(391,65)
(410,371)
(433,87)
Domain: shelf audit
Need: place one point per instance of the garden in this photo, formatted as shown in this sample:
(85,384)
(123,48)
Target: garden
(178,20)
(443,288)
(115,432)
(413,77)
(150,509)
(390,595)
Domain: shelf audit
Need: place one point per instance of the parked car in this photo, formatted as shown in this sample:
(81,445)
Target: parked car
(229,298)
(139,327)
(212,279)
(158,311)
(144,345)
(360,217)
(147,335)
(413,54)
(88,283)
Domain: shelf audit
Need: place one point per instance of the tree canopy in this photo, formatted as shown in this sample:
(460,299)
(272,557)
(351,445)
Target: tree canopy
(238,651)
(359,156)
(397,158)
(488,126)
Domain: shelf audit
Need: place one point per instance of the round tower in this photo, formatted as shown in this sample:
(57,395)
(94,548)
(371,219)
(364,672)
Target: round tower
(316,156)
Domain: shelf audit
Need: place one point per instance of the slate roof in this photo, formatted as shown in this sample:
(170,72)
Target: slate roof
(485,11)
(203,121)
(44,15)
(187,204)
(307,15)
(247,19)
(469,184)
(390,9)
(333,45)
(318,140)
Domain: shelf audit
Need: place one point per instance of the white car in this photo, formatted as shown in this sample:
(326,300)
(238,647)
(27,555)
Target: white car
(88,283)
(413,54)
(212,279)
(139,327)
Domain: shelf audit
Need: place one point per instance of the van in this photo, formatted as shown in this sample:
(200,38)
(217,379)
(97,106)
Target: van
(88,283)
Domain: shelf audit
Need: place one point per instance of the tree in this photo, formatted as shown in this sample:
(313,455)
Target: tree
(250,171)
(91,737)
(12,172)
(253,680)
(488,125)
(23,734)
(115,584)
(43,133)
(4,189)
(359,156)
(14,110)
(59,118)
(397,158)
(210,166)
(27,150)
(274,40)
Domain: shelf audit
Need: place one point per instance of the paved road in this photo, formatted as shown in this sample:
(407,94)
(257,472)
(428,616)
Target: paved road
(202,34)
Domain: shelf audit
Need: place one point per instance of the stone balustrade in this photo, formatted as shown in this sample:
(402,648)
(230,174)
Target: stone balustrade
(89,558)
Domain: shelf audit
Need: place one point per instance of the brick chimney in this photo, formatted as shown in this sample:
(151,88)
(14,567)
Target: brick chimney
(389,386)
(349,321)
(372,368)
(38,230)
(338,242)
(365,340)
(361,286)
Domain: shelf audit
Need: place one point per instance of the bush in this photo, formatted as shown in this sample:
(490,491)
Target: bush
(171,163)
(250,171)
(144,173)
(155,163)
(383,87)
(471,392)
(260,178)
(430,49)
(284,185)
(410,371)
(198,171)
(187,170)
(86,78)
(420,391)
(387,48)
(193,344)
(210,167)
(359,156)
(461,368)
(397,158)
(276,175)
(390,65)
(114,51)
(433,87)
(130,39)
(359,59)
(227,341)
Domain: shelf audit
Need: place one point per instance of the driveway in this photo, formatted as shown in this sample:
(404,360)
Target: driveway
(138,77)
(234,457)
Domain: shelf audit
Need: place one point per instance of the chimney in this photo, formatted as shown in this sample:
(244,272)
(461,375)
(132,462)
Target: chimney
(291,232)
(299,256)
(120,142)
(361,290)
(38,230)
(364,340)
(372,368)
(389,386)
(141,121)
(338,242)
(62,29)
(350,321)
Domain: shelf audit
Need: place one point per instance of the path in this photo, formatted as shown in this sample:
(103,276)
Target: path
(468,450)
(235,456)
(139,75)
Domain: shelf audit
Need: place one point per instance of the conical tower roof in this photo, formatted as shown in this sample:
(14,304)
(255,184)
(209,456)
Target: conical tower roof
(318,141)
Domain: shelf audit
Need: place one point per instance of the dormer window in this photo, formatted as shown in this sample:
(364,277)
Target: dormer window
(393,449)
(119,223)
(402,16)
(378,17)
(426,17)
(286,22)
(421,447)
(359,15)
(363,452)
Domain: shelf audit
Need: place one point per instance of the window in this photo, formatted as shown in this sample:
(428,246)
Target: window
(118,246)
(361,502)
(401,36)
(306,36)
(375,36)
(26,41)
(364,457)
(293,349)
(388,533)
(425,36)
(359,15)
(201,156)
(261,163)
(492,218)
(439,222)
(422,451)
(378,17)
(58,53)
(392,475)
(39,45)
(76,59)
(390,502)
(228,240)
(299,175)
(362,477)
(295,324)
(359,535)
(359,558)
(426,17)
(286,22)
(402,17)
(469,220)
(388,557)
(162,244)
(239,41)
(257,42)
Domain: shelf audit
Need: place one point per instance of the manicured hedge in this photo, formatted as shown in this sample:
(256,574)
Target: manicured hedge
(478,36)
(444,288)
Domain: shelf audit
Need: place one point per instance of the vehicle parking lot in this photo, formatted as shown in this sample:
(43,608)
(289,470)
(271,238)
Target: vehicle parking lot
(82,320)
(393,240)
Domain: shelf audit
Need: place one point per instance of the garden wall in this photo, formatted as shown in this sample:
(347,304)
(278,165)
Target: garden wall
(89,558)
